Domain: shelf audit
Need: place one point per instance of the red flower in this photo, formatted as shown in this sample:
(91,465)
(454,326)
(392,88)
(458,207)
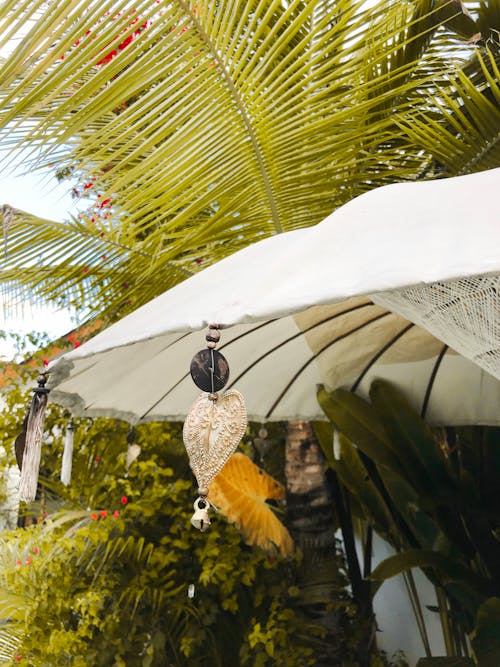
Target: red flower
(28,561)
(116,514)
(45,362)
(19,562)
(124,500)
(97,459)
(76,344)
(36,550)
(104,514)
(94,516)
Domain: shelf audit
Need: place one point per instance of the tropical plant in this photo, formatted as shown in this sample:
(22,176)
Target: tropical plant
(199,127)
(432,495)
(109,571)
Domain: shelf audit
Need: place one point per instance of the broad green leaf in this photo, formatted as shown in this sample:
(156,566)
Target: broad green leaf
(445,662)
(408,504)
(355,477)
(324,432)
(416,445)
(449,570)
(359,422)
(485,639)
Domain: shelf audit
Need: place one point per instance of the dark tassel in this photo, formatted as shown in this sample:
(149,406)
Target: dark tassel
(32,442)
(67,459)
(20,442)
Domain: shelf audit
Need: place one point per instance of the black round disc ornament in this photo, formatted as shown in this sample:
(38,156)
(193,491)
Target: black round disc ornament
(209,370)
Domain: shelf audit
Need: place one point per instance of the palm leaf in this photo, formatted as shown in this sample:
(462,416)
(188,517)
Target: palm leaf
(461,132)
(207,125)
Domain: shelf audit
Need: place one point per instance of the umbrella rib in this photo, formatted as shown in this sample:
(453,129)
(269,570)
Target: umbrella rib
(246,333)
(315,356)
(289,340)
(379,354)
(242,335)
(432,378)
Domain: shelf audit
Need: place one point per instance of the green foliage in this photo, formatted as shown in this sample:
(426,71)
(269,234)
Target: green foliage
(485,638)
(445,662)
(102,574)
(432,495)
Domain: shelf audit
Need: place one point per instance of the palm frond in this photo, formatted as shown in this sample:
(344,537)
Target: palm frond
(462,132)
(204,126)
(80,261)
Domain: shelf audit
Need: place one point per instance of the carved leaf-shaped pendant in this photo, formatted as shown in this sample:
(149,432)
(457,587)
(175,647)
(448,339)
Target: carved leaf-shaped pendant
(212,432)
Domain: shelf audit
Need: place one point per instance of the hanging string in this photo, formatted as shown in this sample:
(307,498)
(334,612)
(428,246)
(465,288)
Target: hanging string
(33,441)
(67,459)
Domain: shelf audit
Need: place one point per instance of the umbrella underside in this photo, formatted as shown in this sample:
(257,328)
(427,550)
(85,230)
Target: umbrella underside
(277,364)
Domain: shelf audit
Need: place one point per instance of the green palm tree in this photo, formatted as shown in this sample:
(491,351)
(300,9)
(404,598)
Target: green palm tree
(195,128)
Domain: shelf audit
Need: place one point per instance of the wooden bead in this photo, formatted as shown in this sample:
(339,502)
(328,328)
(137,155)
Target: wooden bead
(206,378)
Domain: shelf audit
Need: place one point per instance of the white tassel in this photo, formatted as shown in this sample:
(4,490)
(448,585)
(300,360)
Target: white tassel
(33,445)
(67,459)
(133,450)
(336,445)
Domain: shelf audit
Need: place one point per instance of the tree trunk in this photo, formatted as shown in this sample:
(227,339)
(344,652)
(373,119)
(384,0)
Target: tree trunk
(311,520)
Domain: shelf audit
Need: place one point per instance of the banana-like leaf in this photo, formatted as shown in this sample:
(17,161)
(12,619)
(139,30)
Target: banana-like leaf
(199,127)
(485,639)
(449,570)
(418,450)
(354,476)
(359,422)
(445,662)
(240,492)
(407,502)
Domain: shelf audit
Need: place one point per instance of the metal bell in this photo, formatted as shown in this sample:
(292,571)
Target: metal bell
(200,518)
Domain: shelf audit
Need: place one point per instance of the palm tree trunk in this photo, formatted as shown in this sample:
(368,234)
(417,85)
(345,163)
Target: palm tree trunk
(311,520)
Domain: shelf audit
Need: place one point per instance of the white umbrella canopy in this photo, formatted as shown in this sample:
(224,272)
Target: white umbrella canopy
(400,283)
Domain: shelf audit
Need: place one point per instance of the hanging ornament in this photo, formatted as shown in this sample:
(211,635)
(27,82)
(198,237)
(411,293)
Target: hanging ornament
(261,443)
(214,425)
(67,459)
(133,450)
(337,447)
(28,444)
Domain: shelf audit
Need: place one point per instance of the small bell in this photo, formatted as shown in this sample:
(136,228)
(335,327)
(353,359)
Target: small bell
(200,518)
